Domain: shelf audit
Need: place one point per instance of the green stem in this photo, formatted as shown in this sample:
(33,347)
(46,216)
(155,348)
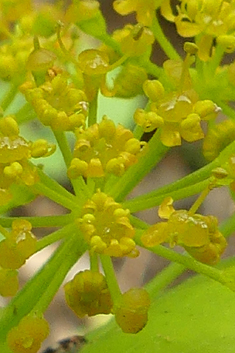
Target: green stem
(164,43)
(52,238)
(79,186)
(94,263)
(155,151)
(37,222)
(226,109)
(215,61)
(25,114)
(227,227)
(9,96)
(110,277)
(199,200)
(175,189)
(184,260)
(155,199)
(64,146)
(153,69)
(42,189)
(93,107)
(110,42)
(138,132)
(164,278)
(39,286)
(55,186)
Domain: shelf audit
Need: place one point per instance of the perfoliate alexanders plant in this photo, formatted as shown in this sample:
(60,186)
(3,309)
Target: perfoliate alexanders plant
(41,61)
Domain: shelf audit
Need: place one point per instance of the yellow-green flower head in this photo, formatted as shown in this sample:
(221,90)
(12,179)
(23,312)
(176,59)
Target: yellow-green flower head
(106,227)
(134,40)
(28,336)
(13,58)
(178,113)
(131,310)
(88,294)
(212,19)
(217,138)
(198,234)
(104,148)
(145,9)
(58,103)
(9,283)
(19,245)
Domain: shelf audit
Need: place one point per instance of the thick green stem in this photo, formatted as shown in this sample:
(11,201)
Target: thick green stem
(110,277)
(165,44)
(187,186)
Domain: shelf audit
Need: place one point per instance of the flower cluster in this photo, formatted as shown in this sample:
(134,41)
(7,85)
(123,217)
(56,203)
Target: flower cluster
(15,152)
(198,234)
(177,113)
(58,104)
(209,20)
(104,148)
(106,227)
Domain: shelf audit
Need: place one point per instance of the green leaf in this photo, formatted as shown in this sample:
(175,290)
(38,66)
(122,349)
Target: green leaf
(195,317)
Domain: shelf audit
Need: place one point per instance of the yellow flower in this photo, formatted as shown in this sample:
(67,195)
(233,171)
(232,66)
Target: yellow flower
(28,335)
(87,294)
(58,103)
(197,234)
(177,113)
(145,9)
(211,19)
